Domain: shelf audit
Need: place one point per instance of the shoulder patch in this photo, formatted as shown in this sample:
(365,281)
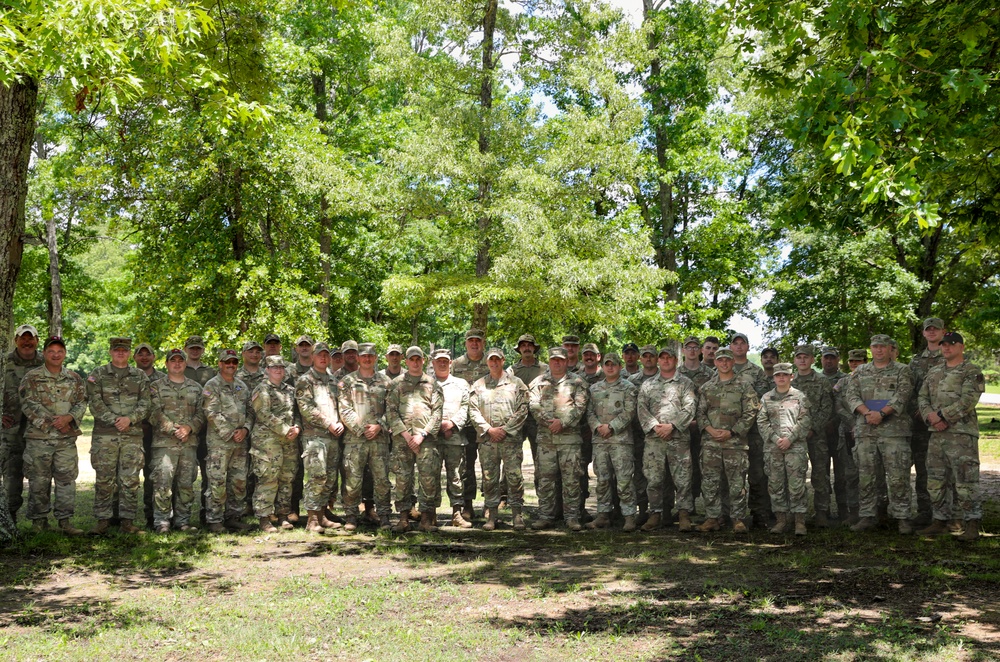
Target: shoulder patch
(206,392)
(92,379)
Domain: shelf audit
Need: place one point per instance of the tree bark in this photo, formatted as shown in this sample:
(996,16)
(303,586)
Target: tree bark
(325,224)
(55,279)
(480,310)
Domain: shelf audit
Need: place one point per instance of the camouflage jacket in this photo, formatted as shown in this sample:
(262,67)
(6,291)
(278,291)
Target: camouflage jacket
(894,384)
(498,403)
(465,368)
(728,405)
(612,404)
(844,415)
(592,379)
(754,375)
(699,375)
(362,402)
(227,409)
(835,377)
(274,411)
(820,393)
(565,399)
(414,404)
(954,392)
(662,401)
(641,378)
(15,370)
(45,396)
(402,369)
(174,405)
(201,374)
(784,415)
(251,379)
(456,408)
(920,367)
(316,396)
(113,392)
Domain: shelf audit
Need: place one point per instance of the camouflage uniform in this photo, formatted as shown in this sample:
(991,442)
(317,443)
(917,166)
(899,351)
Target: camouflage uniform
(414,404)
(316,396)
(836,444)
(888,442)
(202,374)
(700,377)
(663,401)
(559,455)
(361,402)
(274,456)
(117,456)
(817,388)
(786,415)
(639,483)
(471,371)
(50,455)
(527,374)
(174,462)
(845,467)
(501,403)
(920,367)
(726,405)
(227,409)
(760,499)
(953,455)
(456,409)
(12,438)
(587,447)
(613,404)
(251,379)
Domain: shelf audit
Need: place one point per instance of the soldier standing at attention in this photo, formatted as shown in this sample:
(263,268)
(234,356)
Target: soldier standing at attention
(571,345)
(727,409)
(53,401)
(784,424)
(498,407)
(451,441)
(699,373)
(830,360)
(630,360)
(920,367)
(558,401)
(118,395)
(845,449)
(878,394)
(526,369)
(647,358)
(471,366)
(336,360)
(820,393)
(592,374)
(709,347)
(948,398)
(144,358)
(303,358)
(24,358)
(251,373)
(760,501)
(230,419)
(349,354)
(194,347)
(176,417)
(769,359)
(316,397)
(274,447)
(394,362)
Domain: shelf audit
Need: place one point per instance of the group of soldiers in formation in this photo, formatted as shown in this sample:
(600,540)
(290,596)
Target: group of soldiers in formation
(660,425)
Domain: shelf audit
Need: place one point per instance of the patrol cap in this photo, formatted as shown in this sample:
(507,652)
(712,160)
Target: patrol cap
(893,343)
(692,339)
(304,339)
(274,362)
(933,323)
(194,341)
(953,338)
(441,354)
(54,340)
(571,340)
(557,353)
(141,346)
(590,347)
(805,349)
(724,353)
(770,350)
(25,328)
(630,347)
(783,368)
(251,344)
(857,355)
(121,343)
(474,333)
(612,357)
(364,349)
(398,349)
(349,345)
(321,347)
(412,351)
(668,349)
(229,355)
(648,349)
(527,338)
(335,350)
(272,337)
(830,351)
(171,353)
(495,351)
(880,339)
(739,336)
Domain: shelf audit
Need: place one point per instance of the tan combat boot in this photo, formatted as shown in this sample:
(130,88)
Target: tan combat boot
(266,526)
(326,522)
(216,527)
(293,518)
(574,525)
(68,529)
(601,522)
(629,524)
(284,521)
(127,526)
(383,521)
(403,525)
(469,513)
(800,524)
(542,524)
(517,519)
(779,523)
(740,527)
(938,527)
(971,532)
(711,524)
(312,522)
(652,522)
(351,524)
(457,520)
(683,521)
(427,524)
(102,527)
(491,519)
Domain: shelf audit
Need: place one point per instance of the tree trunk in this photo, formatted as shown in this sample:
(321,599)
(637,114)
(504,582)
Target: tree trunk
(325,225)
(480,310)
(55,280)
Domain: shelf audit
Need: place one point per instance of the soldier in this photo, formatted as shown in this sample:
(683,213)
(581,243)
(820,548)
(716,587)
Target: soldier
(414,406)
(53,401)
(699,373)
(878,393)
(230,420)
(394,362)
(118,395)
(769,359)
(848,471)
(666,406)
(272,345)
(176,416)
(647,358)
(303,362)
(610,414)
(274,447)
(948,398)
(830,360)
(336,360)
(361,397)
(144,358)
(571,345)
(498,407)
(471,366)
(820,393)
(591,371)
(20,361)
(920,366)
(251,373)
(630,360)
(760,500)
(349,364)
(526,369)
(558,401)
(349,354)
(709,347)
(785,426)
(451,441)
(592,374)
(727,409)
(316,396)
(194,347)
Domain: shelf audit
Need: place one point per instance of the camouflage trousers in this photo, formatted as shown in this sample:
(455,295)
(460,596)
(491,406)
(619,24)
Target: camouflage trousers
(891,457)
(12,465)
(428,472)
(117,462)
(227,467)
(759,498)
(555,462)
(786,478)
(508,456)
(471,447)
(358,456)
(663,455)
(47,461)
(845,473)
(615,464)
(320,470)
(819,476)
(173,470)
(953,466)
(919,443)
(274,464)
(454,470)
(720,461)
